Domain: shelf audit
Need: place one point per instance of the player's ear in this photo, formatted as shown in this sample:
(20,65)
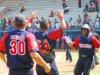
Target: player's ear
(26,22)
(15,25)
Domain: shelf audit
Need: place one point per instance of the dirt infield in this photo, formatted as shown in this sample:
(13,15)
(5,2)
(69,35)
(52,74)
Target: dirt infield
(69,67)
(62,64)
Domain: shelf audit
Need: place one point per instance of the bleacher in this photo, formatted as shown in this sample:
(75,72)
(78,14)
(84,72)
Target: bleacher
(9,6)
(43,8)
(3,11)
(11,3)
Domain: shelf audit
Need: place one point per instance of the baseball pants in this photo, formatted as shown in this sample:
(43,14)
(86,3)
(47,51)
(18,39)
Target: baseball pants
(41,71)
(83,66)
(21,72)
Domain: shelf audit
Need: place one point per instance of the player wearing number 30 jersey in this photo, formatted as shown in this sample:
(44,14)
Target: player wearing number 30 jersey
(20,47)
(14,44)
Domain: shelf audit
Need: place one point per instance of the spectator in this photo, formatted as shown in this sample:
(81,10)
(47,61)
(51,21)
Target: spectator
(86,9)
(5,23)
(51,14)
(97,24)
(67,25)
(55,22)
(92,7)
(79,3)
(22,9)
(66,9)
(91,24)
(42,19)
(9,21)
(71,22)
(37,20)
(1,23)
(49,22)
(79,19)
(86,19)
(98,17)
(71,19)
(57,25)
(64,3)
(37,23)
(92,1)
(97,5)
(53,0)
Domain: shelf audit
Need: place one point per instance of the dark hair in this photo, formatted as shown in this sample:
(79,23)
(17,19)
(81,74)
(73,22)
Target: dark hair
(91,28)
(19,20)
(44,25)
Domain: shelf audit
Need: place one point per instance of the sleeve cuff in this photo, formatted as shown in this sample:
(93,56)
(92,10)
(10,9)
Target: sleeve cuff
(2,52)
(35,50)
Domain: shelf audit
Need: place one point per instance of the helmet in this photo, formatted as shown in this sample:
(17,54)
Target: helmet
(86,26)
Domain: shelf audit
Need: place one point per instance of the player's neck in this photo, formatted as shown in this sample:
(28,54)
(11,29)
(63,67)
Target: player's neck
(43,30)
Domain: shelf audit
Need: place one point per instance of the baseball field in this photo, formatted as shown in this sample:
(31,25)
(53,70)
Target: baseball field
(64,67)
(67,68)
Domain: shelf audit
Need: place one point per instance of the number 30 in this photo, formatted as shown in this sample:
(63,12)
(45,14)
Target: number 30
(17,47)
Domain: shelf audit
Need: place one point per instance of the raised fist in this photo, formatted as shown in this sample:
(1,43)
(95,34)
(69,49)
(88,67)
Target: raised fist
(59,14)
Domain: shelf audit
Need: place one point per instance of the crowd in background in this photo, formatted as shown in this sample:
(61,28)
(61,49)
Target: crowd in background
(7,23)
(73,22)
(93,6)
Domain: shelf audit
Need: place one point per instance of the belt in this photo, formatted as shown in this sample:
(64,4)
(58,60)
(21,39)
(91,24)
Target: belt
(84,56)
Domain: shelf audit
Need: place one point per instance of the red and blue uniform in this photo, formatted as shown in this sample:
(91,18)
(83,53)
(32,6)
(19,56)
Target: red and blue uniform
(47,43)
(17,45)
(86,47)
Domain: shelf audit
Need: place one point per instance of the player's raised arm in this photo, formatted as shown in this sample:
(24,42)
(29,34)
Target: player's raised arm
(33,16)
(3,48)
(60,16)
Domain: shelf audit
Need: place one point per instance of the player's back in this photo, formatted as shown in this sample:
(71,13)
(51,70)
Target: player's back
(17,50)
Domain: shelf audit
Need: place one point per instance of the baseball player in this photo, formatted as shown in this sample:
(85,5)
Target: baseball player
(96,62)
(65,41)
(20,47)
(86,44)
(46,40)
